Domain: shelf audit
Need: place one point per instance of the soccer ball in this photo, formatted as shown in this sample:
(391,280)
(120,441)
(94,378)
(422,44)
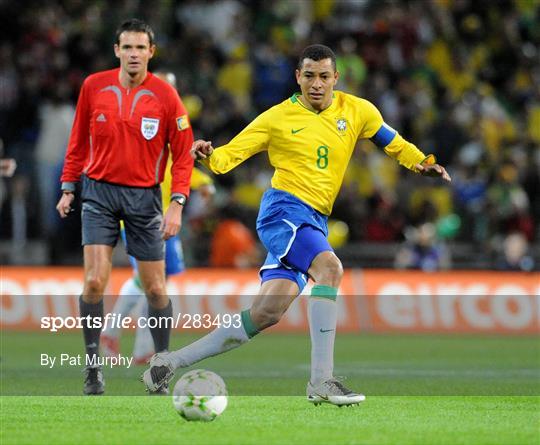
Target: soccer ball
(200,395)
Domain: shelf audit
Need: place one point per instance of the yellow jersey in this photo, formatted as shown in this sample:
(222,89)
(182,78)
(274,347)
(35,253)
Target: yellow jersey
(310,150)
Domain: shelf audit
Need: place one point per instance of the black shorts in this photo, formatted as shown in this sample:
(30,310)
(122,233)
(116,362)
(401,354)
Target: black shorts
(104,205)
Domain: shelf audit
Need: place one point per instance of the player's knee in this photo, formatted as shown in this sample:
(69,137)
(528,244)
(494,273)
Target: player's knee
(264,318)
(157,295)
(94,287)
(336,269)
(331,271)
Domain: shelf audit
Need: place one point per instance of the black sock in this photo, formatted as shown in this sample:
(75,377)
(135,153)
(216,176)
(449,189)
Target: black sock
(162,332)
(91,334)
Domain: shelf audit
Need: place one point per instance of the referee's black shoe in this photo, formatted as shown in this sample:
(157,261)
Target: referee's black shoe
(94,383)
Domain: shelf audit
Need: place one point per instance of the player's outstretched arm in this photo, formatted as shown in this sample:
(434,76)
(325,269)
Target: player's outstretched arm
(407,154)
(201,149)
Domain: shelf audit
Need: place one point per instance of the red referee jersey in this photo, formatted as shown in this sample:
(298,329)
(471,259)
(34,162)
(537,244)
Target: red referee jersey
(121,136)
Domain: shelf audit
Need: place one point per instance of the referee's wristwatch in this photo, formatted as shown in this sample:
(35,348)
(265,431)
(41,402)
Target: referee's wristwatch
(179,198)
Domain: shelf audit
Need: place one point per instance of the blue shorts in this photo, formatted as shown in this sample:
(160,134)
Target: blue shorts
(293,233)
(174,256)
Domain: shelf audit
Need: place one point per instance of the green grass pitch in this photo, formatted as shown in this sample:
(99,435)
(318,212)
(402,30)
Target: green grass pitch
(421,389)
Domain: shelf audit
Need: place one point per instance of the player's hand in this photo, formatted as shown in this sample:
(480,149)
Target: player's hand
(433,170)
(64,205)
(172,221)
(201,149)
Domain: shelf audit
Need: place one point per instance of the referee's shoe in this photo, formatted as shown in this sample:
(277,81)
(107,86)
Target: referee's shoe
(94,383)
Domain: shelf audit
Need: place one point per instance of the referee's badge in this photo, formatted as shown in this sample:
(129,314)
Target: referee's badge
(182,122)
(341,125)
(149,127)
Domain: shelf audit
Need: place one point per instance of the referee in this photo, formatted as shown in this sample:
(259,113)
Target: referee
(125,120)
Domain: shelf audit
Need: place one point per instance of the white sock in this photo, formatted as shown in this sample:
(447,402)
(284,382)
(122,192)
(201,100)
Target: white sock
(130,293)
(322,313)
(219,340)
(144,343)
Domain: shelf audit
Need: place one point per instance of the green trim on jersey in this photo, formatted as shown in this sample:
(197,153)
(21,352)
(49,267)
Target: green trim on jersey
(295,99)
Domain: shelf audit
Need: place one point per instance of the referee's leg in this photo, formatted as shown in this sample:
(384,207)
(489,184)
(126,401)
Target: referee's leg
(152,275)
(97,270)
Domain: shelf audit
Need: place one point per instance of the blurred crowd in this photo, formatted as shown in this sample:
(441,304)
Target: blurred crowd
(459,78)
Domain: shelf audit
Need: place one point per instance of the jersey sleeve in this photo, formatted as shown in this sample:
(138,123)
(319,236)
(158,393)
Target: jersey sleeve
(79,140)
(371,118)
(180,138)
(251,140)
(405,153)
(385,137)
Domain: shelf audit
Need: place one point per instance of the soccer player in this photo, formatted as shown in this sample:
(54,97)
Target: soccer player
(124,121)
(310,138)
